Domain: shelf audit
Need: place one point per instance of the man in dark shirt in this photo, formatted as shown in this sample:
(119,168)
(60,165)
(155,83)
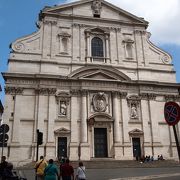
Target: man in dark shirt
(3,166)
(67,171)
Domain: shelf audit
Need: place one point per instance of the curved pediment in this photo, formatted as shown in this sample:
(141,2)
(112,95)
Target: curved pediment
(62,131)
(136,132)
(99,73)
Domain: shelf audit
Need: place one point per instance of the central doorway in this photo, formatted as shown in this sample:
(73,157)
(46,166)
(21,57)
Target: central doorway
(100,142)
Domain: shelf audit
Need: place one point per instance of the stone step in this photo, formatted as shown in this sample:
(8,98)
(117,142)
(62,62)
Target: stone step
(109,164)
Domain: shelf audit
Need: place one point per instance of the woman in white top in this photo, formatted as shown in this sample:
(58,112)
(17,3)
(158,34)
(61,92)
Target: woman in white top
(81,172)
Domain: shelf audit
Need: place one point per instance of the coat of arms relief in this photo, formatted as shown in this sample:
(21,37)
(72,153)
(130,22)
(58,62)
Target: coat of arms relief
(99,102)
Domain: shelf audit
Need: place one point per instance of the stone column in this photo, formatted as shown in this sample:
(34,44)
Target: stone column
(53,39)
(16,124)
(116,116)
(88,55)
(17,116)
(107,49)
(138,46)
(42,115)
(85,149)
(113,45)
(83,118)
(127,151)
(74,126)
(46,39)
(75,41)
(50,145)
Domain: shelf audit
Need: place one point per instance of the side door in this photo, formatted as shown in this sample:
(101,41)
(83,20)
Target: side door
(62,147)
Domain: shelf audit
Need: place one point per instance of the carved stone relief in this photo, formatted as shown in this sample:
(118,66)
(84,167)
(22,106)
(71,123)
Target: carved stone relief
(96,7)
(99,102)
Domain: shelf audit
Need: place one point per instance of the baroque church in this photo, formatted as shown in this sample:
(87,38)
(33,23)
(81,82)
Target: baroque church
(93,83)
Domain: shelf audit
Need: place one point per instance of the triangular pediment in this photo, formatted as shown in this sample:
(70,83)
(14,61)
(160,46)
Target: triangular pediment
(84,8)
(100,75)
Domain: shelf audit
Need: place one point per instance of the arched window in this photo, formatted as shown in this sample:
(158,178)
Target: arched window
(97,47)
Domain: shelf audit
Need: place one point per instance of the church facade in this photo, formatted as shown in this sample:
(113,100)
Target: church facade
(93,83)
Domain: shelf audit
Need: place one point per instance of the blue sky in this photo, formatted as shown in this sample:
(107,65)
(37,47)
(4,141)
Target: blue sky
(18,18)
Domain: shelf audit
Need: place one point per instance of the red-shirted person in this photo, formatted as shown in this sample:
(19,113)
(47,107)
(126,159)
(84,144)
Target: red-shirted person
(67,171)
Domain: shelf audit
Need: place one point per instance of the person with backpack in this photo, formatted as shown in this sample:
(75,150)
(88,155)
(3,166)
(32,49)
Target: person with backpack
(51,171)
(80,174)
(39,167)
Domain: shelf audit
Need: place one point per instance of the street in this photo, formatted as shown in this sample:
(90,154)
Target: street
(172,173)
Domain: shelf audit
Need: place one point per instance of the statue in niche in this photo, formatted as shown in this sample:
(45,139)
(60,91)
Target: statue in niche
(134,111)
(63,108)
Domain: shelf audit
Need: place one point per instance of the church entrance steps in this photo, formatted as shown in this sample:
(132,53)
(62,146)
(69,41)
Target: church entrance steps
(110,164)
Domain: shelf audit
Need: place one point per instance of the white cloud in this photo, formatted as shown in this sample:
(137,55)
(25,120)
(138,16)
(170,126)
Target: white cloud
(163,17)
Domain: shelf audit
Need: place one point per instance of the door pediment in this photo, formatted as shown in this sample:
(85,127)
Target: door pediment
(136,132)
(62,131)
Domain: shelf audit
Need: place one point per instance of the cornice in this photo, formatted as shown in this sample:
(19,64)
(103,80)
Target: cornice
(94,64)
(97,20)
(35,80)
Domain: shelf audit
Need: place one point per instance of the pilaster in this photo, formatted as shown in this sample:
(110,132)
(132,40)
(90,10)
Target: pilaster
(46,39)
(74,143)
(53,39)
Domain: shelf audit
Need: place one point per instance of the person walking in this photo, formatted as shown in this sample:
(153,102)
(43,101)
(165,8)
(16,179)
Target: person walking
(3,166)
(39,167)
(80,174)
(67,171)
(51,171)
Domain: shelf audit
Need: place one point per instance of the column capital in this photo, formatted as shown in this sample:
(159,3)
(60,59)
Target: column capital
(148,96)
(13,90)
(75,92)
(84,92)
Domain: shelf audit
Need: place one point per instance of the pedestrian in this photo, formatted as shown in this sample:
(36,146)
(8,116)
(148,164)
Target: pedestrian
(51,171)
(62,161)
(67,171)
(3,166)
(39,167)
(80,175)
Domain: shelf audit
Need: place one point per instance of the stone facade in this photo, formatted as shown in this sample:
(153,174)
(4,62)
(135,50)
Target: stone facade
(93,83)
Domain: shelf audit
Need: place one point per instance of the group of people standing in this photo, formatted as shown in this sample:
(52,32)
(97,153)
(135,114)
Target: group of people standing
(49,171)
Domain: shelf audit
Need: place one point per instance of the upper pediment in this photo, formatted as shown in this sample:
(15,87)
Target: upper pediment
(94,8)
